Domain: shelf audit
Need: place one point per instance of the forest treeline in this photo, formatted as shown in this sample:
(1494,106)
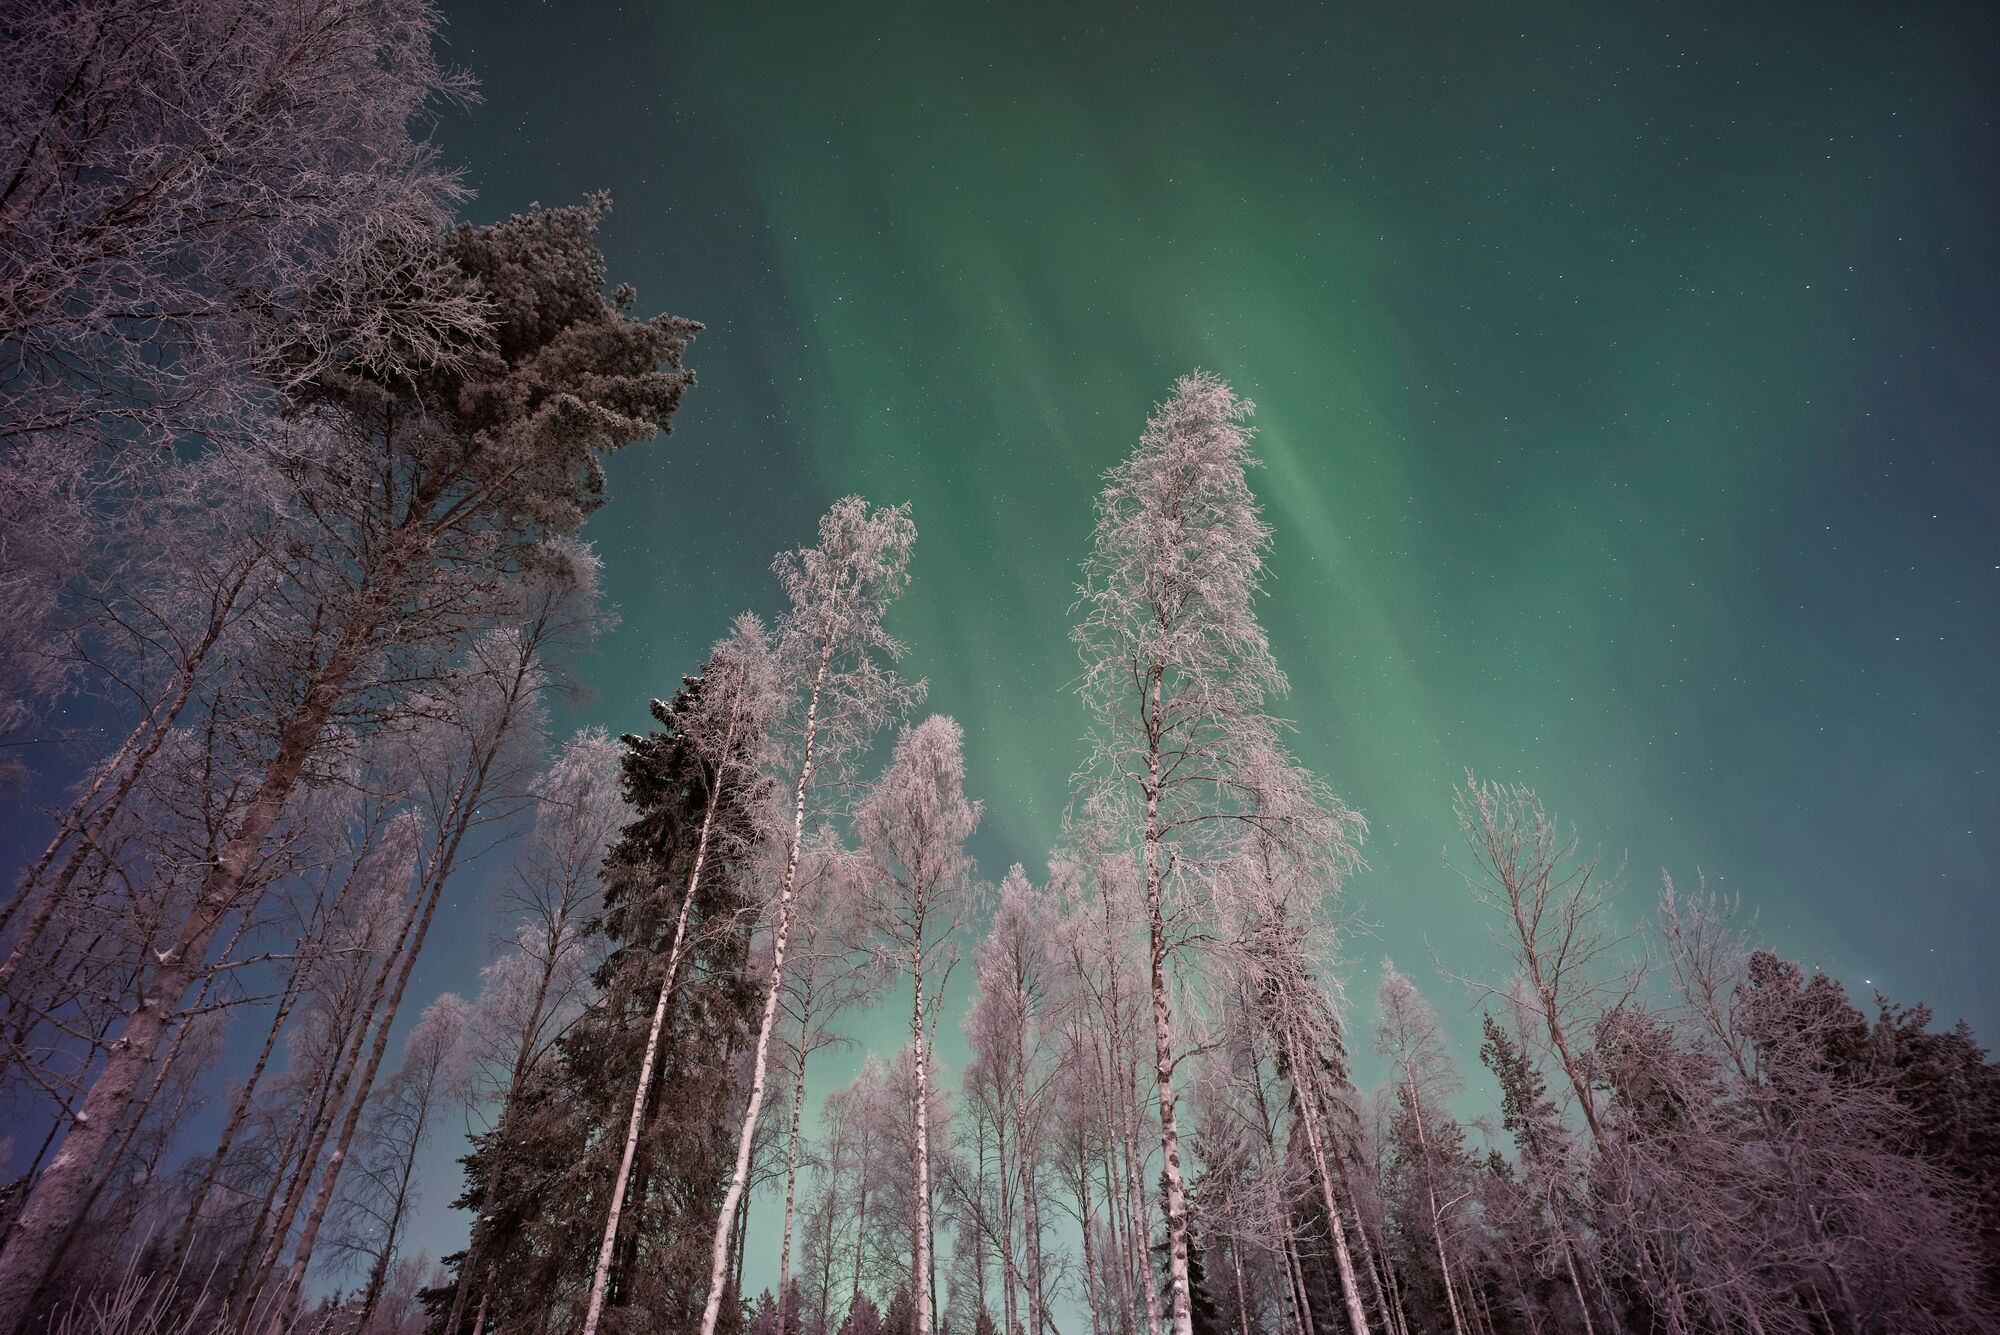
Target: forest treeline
(295,472)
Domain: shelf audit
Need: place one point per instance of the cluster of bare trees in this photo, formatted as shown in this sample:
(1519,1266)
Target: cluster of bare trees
(1159,1126)
(291,473)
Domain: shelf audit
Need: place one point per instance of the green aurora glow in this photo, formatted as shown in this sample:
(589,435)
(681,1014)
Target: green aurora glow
(1626,383)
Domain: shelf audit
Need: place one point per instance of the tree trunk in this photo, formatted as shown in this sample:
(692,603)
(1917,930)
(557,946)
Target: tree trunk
(240,1108)
(860,1218)
(1430,1192)
(595,1311)
(1008,1298)
(142,1109)
(313,1114)
(1090,1285)
(1023,1149)
(490,1194)
(1576,1283)
(294,1281)
(1173,1189)
(1308,1100)
(1295,1269)
(1242,1298)
(378,1274)
(792,1158)
(739,1179)
(334,1096)
(459,814)
(129,764)
(1369,1260)
(921,1262)
(56,1205)
(1138,1217)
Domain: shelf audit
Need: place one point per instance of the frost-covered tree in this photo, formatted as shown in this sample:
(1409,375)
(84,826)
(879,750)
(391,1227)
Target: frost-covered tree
(201,203)
(531,995)
(1407,1033)
(1176,673)
(374,1206)
(836,660)
(444,481)
(723,722)
(828,976)
(913,825)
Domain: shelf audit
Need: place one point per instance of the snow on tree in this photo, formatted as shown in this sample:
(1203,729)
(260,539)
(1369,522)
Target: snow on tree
(836,662)
(913,825)
(1176,673)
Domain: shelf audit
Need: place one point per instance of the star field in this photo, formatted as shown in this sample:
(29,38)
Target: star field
(1626,385)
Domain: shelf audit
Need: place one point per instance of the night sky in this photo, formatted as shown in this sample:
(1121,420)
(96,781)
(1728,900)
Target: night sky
(1626,385)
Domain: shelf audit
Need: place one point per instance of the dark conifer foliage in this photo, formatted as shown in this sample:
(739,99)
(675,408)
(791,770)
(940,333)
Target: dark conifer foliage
(555,1162)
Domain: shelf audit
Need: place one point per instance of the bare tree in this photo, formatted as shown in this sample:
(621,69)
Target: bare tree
(1176,674)
(836,657)
(1553,903)
(913,826)
(374,1205)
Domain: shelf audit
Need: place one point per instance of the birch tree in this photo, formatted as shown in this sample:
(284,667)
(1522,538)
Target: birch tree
(1408,1034)
(1011,969)
(724,724)
(531,994)
(913,826)
(373,1212)
(1176,673)
(837,661)
(828,976)
(507,451)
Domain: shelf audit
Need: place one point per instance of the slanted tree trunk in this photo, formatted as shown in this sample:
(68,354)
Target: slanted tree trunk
(315,1113)
(739,1178)
(1308,1100)
(333,1090)
(59,1197)
(595,1312)
(128,766)
(240,1108)
(378,1274)
(461,812)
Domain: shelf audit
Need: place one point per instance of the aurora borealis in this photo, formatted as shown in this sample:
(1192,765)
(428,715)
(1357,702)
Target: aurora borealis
(1626,384)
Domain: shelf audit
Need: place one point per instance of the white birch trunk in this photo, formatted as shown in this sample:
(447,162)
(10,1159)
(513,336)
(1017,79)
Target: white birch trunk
(1357,1315)
(601,1279)
(719,1254)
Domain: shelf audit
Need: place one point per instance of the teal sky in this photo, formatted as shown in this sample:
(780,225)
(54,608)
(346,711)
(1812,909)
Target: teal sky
(1626,384)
